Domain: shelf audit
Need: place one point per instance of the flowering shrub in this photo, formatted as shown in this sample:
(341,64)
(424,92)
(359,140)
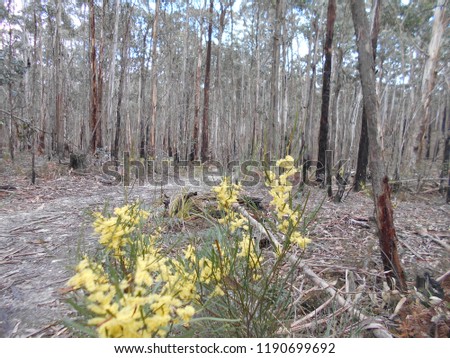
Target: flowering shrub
(281,188)
(227,194)
(145,297)
(115,231)
(139,290)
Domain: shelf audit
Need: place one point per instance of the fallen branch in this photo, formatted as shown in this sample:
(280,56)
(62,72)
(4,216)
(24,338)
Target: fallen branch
(40,221)
(443,277)
(311,315)
(323,321)
(440,242)
(378,331)
(405,244)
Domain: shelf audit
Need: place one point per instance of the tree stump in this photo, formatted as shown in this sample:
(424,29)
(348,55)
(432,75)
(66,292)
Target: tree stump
(78,161)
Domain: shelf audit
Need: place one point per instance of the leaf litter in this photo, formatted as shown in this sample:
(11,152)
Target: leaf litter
(44,229)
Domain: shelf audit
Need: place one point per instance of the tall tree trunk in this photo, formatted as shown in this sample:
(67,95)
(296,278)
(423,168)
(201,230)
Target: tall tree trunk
(205,121)
(59,119)
(181,152)
(444,184)
(257,56)
(380,183)
(309,131)
(323,131)
(112,73)
(429,74)
(217,108)
(94,90)
(42,118)
(32,115)
(193,155)
(154,79)
(10,123)
(141,113)
(363,151)
(270,136)
(336,86)
(100,79)
(123,68)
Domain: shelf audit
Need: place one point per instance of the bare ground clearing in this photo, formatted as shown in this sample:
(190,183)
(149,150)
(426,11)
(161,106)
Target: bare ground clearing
(44,228)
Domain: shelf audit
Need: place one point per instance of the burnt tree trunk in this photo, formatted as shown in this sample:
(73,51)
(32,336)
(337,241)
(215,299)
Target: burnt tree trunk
(363,150)
(323,132)
(363,155)
(380,184)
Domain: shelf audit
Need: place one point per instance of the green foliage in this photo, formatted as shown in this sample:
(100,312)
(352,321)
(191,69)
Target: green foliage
(221,285)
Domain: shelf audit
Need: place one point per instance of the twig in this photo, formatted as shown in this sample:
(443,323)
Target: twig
(61,331)
(40,221)
(12,253)
(26,121)
(301,327)
(410,248)
(440,242)
(378,332)
(311,315)
(441,278)
(9,262)
(41,330)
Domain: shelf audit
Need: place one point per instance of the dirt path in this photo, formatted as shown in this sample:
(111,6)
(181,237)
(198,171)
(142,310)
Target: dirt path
(44,228)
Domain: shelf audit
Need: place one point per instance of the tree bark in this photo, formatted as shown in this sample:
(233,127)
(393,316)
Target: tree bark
(59,120)
(123,67)
(444,185)
(380,184)
(270,136)
(100,79)
(112,70)
(154,78)
(430,73)
(323,131)
(10,123)
(94,89)
(257,56)
(205,121)
(363,150)
(181,151)
(193,155)
(141,113)
(311,97)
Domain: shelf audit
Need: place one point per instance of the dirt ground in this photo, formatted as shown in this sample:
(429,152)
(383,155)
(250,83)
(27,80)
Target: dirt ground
(44,228)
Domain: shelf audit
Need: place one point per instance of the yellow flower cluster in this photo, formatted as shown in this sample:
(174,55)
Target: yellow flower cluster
(227,195)
(280,191)
(248,252)
(155,293)
(147,304)
(114,231)
(205,270)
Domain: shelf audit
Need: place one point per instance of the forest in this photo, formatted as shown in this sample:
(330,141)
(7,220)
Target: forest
(260,165)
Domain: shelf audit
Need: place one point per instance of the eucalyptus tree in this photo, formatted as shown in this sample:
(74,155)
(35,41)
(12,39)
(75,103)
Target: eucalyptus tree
(380,183)
(323,131)
(12,73)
